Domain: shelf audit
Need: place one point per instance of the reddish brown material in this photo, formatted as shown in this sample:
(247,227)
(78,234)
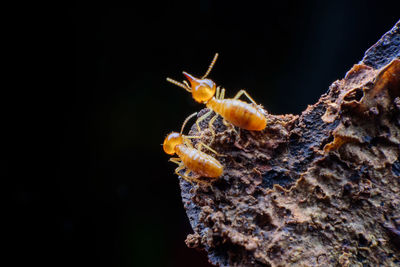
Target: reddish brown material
(319,189)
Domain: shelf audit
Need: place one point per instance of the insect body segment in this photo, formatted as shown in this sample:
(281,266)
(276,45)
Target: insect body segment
(199,162)
(241,114)
(193,159)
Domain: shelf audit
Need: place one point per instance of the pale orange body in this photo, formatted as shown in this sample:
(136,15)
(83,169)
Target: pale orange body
(239,113)
(199,162)
(192,159)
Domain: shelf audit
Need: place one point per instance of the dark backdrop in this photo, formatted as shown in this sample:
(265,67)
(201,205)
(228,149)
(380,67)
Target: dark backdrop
(104,193)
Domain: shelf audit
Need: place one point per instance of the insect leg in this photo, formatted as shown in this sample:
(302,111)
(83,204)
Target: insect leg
(176,160)
(177,170)
(210,126)
(200,181)
(188,143)
(187,140)
(230,125)
(209,148)
(187,177)
(202,118)
(195,178)
(222,95)
(192,179)
(193,136)
(184,176)
(227,124)
(236,132)
(217,93)
(243,92)
(187,172)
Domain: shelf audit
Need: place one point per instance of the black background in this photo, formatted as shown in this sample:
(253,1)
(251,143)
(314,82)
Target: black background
(95,187)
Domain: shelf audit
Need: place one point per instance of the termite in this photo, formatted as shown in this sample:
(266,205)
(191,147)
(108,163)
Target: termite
(193,159)
(241,114)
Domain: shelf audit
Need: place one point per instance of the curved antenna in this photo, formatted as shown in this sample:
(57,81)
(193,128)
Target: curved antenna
(211,66)
(186,120)
(179,84)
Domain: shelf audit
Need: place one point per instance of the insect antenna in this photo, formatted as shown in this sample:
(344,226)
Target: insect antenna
(184,86)
(211,66)
(186,120)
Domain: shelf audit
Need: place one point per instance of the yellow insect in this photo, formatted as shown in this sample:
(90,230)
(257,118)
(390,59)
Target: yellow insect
(241,114)
(193,159)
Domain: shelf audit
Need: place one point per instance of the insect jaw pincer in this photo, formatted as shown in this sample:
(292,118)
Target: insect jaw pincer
(202,89)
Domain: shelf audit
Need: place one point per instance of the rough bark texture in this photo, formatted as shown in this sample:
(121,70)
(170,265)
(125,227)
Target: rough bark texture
(319,189)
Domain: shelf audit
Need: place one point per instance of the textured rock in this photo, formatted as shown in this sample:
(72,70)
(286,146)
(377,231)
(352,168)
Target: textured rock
(322,188)
(384,50)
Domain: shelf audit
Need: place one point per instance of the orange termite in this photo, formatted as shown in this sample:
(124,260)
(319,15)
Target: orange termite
(193,159)
(239,113)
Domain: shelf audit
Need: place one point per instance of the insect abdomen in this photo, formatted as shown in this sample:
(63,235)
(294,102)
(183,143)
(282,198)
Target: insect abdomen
(199,162)
(239,113)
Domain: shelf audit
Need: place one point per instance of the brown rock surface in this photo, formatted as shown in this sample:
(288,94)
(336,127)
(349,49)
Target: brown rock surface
(319,189)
